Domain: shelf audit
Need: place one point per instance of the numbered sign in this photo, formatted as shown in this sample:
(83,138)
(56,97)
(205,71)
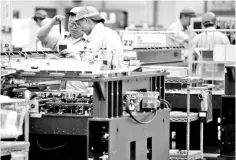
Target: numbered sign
(128,40)
(142,39)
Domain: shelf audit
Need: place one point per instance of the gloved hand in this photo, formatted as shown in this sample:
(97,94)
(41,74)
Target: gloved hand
(67,53)
(56,19)
(70,53)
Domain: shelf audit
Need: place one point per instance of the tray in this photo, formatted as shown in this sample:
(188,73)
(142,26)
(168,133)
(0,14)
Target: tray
(176,116)
(7,147)
(193,154)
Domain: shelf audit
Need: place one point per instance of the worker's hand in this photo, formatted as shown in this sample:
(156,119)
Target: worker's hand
(68,53)
(51,56)
(65,54)
(57,19)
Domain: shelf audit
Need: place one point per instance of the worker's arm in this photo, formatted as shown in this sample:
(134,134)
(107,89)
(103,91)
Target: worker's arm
(45,29)
(179,37)
(225,40)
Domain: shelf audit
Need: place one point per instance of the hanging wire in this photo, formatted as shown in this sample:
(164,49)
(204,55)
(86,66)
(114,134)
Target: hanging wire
(52,148)
(140,122)
(166,103)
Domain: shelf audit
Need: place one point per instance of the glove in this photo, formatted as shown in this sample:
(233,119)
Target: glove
(68,53)
(57,19)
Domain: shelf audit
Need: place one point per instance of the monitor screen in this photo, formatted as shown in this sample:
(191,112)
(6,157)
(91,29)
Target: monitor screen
(197,25)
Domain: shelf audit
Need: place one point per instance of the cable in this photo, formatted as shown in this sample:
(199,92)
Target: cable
(166,102)
(48,149)
(129,112)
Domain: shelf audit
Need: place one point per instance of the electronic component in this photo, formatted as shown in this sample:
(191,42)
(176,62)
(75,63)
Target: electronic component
(72,114)
(61,103)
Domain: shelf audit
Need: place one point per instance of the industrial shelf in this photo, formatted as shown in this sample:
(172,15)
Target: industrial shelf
(7,147)
(188,117)
(182,116)
(184,80)
(193,155)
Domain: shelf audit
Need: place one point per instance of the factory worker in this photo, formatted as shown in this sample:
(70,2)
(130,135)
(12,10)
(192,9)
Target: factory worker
(99,36)
(183,33)
(75,41)
(209,39)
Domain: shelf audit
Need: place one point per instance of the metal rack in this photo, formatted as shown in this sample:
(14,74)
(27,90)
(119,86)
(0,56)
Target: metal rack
(183,118)
(187,118)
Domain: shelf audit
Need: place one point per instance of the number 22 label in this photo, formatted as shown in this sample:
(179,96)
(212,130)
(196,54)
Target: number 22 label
(128,42)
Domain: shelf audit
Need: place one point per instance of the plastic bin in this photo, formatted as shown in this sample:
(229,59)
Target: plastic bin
(12,117)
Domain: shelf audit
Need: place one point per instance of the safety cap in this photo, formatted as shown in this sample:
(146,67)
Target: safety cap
(88,12)
(188,11)
(74,11)
(208,18)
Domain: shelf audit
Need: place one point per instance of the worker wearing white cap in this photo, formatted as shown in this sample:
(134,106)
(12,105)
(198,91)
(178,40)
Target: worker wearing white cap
(99,36)
(75,42)
(209,39)
(183,34)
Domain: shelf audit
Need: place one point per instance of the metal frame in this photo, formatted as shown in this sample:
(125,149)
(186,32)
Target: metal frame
(190,154)
(123,131)
(109,91)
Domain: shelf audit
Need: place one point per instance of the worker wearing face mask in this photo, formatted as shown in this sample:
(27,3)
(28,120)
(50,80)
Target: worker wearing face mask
(183,33)
(99,36)
(74,42)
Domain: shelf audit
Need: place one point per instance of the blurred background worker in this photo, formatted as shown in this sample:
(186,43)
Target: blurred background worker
(208,39)
(39,16)
(99,36)
(211,37)
(183,35)
(25,31)
(74,42)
